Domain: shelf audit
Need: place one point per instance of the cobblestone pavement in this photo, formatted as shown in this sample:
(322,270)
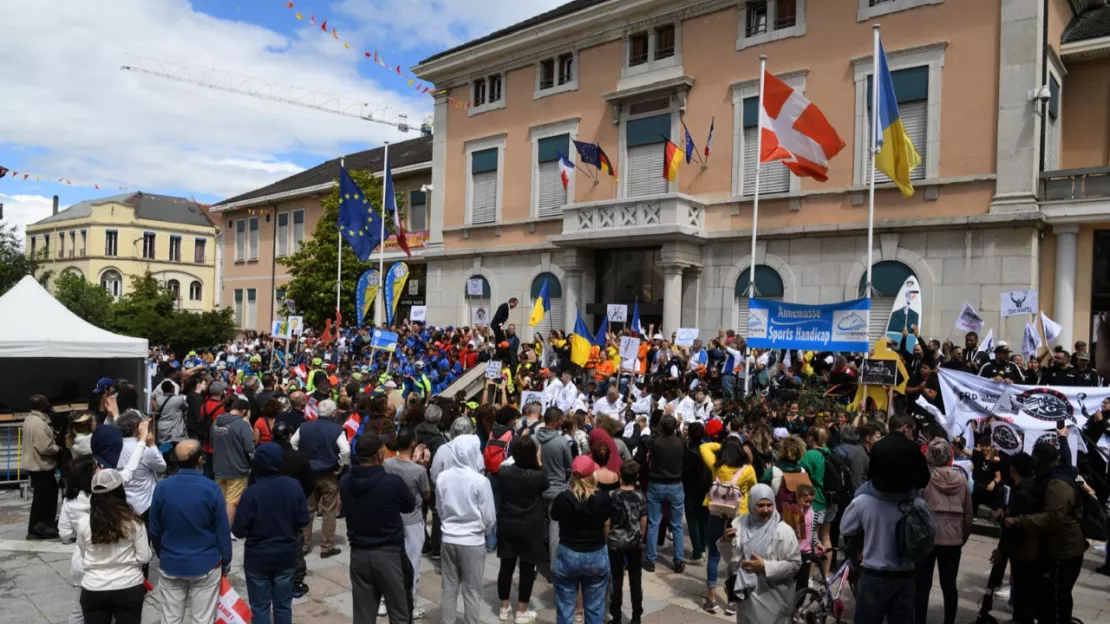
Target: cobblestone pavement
(35,584)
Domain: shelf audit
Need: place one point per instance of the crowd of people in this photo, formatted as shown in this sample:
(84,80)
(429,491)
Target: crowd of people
(581,473)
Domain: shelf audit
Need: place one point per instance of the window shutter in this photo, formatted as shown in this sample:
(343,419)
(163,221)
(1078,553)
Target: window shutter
(742,314)
(773,178)
(880,314)
(915,119)
(283,234)
(1052,144)
(552,320)
(645,170)
(484,200)
(552,194)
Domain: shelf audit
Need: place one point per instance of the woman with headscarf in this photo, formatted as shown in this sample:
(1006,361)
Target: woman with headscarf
(763,552)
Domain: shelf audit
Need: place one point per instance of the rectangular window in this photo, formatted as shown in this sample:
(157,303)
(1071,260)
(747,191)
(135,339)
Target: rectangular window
(253,251)
(494,88)
(418,211)
(298,230)
(1052,127)
(72,243)
(283,234)
(756,19)
(664,42)
(148,245)
(552,195)
(111,243)
(46,246)
(175,249)
(84,242)
(547,74)
(239,307)
(252,308)
(479,92)
(911,88)
(645,140)
(774,177)
(637,49)
(786,14)
(62,245)
(566,68)
(198,250)
(34,245)
(483,173)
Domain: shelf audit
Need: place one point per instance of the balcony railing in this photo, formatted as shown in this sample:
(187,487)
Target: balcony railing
(1075,184)
(634,216)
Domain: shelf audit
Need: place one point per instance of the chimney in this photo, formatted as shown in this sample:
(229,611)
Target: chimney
(55,204)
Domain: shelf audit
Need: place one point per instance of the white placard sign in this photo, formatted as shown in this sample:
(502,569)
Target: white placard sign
(528,397)
(474,288)
(414,287)
(493,369)
(479,315)
(418,313)
(616,313)
(685,336)
(296,325)
(1018,302)
(280,329)
(629,352)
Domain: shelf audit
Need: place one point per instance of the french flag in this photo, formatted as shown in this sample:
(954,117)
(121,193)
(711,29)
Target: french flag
(566,170)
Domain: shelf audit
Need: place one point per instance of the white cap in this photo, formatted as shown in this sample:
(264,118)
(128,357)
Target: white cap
(391,384)
(657,337)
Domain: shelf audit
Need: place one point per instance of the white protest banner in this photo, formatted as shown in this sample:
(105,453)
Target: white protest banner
(969,320)
(616,313)
(479,315)
(1018,302)
(1035,408)
(1052,329)
(528,397)
(1030,342)
(296,325)
(1032,437)
(474,288)
(986,345)
(1005,437)
(629,352)
(949,425)
(493,369)
(685,336)
(418,313)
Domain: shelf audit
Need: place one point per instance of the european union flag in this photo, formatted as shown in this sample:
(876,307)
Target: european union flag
(592,154)
(359,223)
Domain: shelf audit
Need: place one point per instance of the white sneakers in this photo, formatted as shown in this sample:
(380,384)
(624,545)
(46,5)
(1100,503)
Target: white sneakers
(525,617)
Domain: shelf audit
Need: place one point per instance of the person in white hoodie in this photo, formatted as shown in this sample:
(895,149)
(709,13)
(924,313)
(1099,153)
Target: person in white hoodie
(75,507)
(464,501)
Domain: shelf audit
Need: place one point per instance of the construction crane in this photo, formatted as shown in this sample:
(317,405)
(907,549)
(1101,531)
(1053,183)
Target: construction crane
(275,92)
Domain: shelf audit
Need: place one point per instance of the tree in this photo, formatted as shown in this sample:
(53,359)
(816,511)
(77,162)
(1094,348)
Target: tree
(149,311)
(88,301)
(313,267)
(14,264)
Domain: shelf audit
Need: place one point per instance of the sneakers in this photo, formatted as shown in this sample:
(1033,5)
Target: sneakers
(697,560)
(525,617)
(381,608)
(299,590)
(709,606)
(1003,593)
(331,552)
(579,618)
(679,567)
(418,613)
(648,566)
(504,614)
(730,609)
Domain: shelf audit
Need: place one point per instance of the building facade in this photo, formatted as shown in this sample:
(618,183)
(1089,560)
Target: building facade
(108,241)
(265,225)
(1007,103)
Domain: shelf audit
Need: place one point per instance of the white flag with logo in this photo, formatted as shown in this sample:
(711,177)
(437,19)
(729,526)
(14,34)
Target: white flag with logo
(969,320)
(987,345)
(1018,302)
(1031,342)
(1052,329)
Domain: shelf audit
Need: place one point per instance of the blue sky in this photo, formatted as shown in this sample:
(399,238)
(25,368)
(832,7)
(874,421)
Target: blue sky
(67,111)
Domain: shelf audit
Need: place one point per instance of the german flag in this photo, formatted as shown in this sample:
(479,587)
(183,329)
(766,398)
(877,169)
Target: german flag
(606,165)
(672,158)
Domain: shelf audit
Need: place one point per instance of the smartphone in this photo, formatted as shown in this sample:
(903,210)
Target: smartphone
(1060,424)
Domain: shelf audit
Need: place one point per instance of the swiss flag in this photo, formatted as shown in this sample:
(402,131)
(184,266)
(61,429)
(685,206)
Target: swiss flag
(796,132)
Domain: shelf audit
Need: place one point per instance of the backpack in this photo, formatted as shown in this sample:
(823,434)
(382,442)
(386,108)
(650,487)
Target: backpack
(912,534)
(786,501)
(497,449)
(837,481)
(724,498)
(1092,516)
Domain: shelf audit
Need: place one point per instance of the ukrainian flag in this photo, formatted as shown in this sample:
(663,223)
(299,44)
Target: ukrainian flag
(896,155)
(580,342)
(543,305)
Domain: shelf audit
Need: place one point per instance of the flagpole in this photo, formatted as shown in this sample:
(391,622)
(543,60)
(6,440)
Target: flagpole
(339,256)
(381,256)
(875,130)
(755,217)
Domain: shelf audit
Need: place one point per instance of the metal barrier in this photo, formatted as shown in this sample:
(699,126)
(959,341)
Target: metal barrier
(11,449)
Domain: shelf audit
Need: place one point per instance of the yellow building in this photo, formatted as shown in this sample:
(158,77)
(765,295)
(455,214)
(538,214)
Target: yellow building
(109,240)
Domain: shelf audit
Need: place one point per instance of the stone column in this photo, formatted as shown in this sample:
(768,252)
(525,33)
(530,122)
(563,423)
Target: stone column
(1064,310)
(691,287)
(1019,127)
(572,297)
(672,298)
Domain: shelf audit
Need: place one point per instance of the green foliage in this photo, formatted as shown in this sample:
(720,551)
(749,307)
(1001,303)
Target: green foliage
(88,301)
(313,268)
(14,264)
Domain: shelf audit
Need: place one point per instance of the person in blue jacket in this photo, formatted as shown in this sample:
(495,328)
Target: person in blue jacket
(272,513)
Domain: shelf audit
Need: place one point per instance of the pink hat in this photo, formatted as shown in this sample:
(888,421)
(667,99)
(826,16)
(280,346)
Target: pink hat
(583,466)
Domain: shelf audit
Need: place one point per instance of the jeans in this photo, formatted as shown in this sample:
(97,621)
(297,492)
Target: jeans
(697,518)
(728,386)
(716,530)
(1058,577)
(947,561)
(657,494)
(274,591)
(590,571)
(618,562)
(886,597)
(201,592)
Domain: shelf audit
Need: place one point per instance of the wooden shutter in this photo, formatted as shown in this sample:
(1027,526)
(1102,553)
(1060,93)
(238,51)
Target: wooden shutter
(552,195)
(484,199)
(283,234)
(742,314)
(774,177)
(880,314)
(645,170)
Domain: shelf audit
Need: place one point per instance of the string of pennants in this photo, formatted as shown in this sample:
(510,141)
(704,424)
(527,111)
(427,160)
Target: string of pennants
(27,176)
(377,59)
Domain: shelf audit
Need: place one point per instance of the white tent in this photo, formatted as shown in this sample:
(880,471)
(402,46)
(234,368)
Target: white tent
(46,349)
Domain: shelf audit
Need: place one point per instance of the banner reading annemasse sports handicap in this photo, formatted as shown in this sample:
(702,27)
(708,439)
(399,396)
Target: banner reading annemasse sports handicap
(828,327)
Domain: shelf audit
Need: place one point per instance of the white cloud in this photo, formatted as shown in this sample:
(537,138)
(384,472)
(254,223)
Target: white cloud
(21,210)
(65,98)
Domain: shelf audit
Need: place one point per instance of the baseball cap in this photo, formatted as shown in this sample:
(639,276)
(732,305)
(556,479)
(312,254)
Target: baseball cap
(256,358)
(217,387)
(1002,346)
(1082,355)
(583,466)
(780,433)
(106,480)
(103,384)
(657,337)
